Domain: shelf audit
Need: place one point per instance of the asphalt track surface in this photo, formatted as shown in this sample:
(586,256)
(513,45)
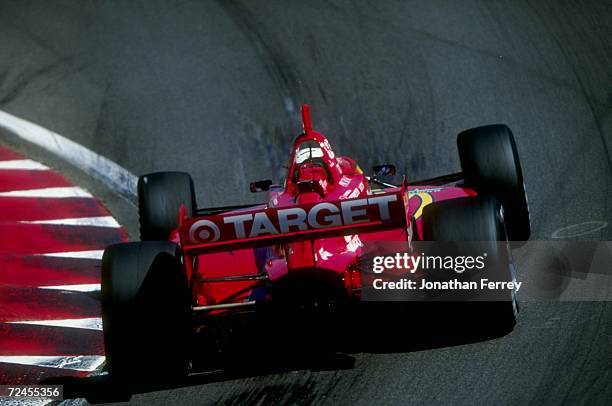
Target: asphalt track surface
(214,88)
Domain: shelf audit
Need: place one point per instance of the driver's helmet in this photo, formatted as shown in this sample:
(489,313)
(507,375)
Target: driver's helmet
(308,151)
(309,163)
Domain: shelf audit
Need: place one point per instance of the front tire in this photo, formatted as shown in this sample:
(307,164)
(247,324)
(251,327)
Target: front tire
(160,196)
(490,164)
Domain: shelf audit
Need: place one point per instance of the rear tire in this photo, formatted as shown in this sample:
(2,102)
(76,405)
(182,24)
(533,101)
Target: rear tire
(160,196)
(145,312)
(490,164)
(477,220)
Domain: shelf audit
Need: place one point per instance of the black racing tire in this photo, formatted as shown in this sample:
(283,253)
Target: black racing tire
(474,224)
(160,196)
(145,313)
(491,164)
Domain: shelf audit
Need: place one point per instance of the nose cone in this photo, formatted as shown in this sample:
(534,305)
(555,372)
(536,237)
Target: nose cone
(306,119)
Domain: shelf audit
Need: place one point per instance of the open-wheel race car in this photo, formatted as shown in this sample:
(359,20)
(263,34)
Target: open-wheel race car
(195,265)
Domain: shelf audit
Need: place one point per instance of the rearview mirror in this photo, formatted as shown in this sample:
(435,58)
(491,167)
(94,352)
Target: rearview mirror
(261,186)
(384,170)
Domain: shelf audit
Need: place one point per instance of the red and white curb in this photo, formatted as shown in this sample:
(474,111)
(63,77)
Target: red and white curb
(52,236)
(108,172)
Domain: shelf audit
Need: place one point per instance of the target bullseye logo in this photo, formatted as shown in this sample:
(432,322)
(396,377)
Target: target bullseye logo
(204,231)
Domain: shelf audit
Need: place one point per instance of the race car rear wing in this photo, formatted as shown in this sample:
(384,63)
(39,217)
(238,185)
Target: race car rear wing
(261,226)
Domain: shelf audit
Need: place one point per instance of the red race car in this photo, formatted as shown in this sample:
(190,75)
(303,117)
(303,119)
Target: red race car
(306,244)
